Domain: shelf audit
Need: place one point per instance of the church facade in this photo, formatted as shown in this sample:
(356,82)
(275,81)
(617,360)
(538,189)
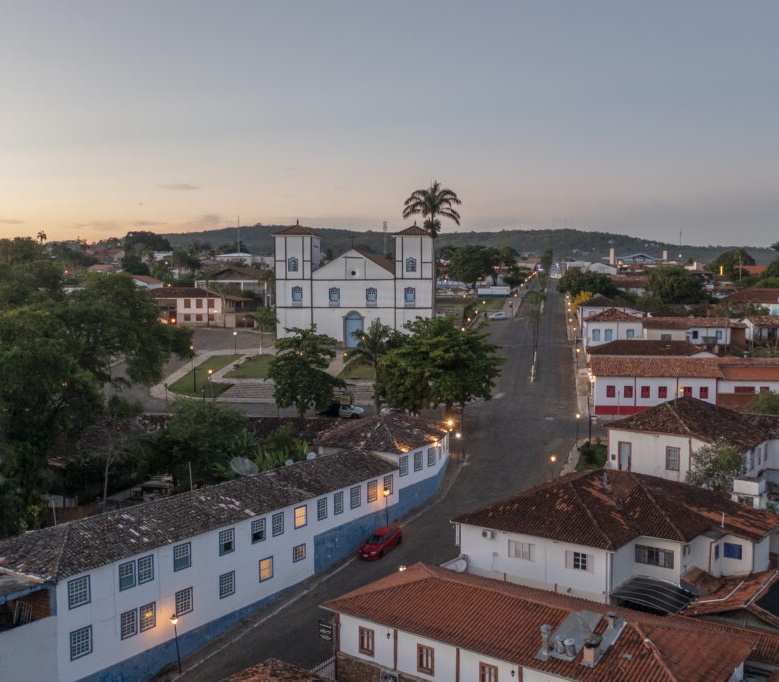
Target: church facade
(345,295)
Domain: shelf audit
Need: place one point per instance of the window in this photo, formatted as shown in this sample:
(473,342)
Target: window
(607,335)
(645,392)
(596,334)
(611,391)
(716,552)
(292,264)
(731,551)
(266,569)
(78,592)
(687,391)
(334,296)
(198,303)
(417,461)
(338,502)
(411,264)
(354,497)
(672,459)
(373,491)
(298,553)
(431,457)
(665,337)
(258,530)
(277,524)
(628,392)
(297,294)
(403,465)
(521,550)
(662,391)
(389,484)
(694,334)
(425,659)
(410,295)
(145,569)
(630,333)
(127,575)
(366,641)
(211,304)
(183,601)
(654,556)
(321,509)
(370,296)
(488,673)
(187,302)
(301,516)
(719,335)
(578,561)
(226,541)
(182,557)
(129,624)
(743,389)
(148,616)
(226,584)
(80,642)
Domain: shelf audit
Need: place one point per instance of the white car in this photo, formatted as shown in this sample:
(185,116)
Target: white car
(500,315)
(350,411)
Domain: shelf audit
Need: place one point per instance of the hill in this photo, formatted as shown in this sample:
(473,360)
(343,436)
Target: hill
(566,244)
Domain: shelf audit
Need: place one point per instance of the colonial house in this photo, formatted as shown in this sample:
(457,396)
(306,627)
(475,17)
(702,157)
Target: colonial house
(196,307)
(720,333)
(762,330)
(599,303)
(769,298)
(611,324)
(349,292)
(239,280)
(431,623)
(615,537)
(660,441)
(92,599)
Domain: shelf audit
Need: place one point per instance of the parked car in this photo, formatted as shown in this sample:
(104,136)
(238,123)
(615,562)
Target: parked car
(500,315)
(345,411)
(381,541)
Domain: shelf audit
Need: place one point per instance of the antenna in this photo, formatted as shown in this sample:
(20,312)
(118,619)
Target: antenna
(238,229)
(243,466)
(384,248)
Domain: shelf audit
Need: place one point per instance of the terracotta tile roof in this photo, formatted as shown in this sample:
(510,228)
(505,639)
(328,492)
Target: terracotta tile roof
(61,551)
(599,301)
(755,295)
(298,229)
(690,417)
(646,347)
(689,322)
(413,231)
(274,670)
(613,315)
(735,593)
(393,433)
(503,621)
(771,321)
(375,258)
(579,509)
(749,369)
(702,368)
(181,292)
(630,281)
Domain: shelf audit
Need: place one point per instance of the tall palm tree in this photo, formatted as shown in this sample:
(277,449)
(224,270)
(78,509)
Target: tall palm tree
(41,236)
(371,345)
(431,203)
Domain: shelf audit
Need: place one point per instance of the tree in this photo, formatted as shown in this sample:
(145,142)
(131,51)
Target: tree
(730,264)
(266,320)
(41,236)
(470,263)
(431,203)
(766,402)
(674,284)
(715,466)
(372,344)
(145,241)
(534,302)
(574,281)
(134,265)
(299,370)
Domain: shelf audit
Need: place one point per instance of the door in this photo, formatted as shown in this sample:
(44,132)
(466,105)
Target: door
(352,324)
(624,456)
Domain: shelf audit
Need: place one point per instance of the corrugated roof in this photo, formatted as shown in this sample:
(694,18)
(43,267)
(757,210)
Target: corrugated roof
(503,621)
(580,509)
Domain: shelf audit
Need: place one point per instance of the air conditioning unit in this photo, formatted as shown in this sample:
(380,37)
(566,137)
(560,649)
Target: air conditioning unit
(389,676)
(488,534)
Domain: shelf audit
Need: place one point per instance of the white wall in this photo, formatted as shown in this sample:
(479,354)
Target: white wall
(21,662)
(648,452)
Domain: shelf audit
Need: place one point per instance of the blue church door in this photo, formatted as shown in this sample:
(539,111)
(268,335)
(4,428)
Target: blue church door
(352,323)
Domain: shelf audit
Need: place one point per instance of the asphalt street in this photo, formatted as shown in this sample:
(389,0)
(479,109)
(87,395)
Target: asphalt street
(508,443)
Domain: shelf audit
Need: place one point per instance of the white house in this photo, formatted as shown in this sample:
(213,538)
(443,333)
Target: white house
(431,623)
(346,294)
(611,324)
(719,332)
(93,599)
(615,537)
(188,306)
(660,441)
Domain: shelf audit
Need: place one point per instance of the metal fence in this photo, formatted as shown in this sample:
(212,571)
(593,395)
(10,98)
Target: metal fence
(325,669)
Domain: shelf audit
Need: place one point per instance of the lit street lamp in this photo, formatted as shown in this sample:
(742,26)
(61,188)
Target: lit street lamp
(578,417)
(210,384)
(235,343)
(175,619)
(386,505)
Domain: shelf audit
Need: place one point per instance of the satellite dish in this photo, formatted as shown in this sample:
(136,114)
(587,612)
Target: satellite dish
(311,455)
(288,463)
(243,466)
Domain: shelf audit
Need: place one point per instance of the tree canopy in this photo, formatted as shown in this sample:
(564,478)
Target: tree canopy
(715,466)
(471,263)
(431,203)
(675,284)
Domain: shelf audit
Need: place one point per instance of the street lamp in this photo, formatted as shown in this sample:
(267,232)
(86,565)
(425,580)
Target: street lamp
(386,492)
(552,460)
(175,619)
(235,343)
(578,417)
(210,384)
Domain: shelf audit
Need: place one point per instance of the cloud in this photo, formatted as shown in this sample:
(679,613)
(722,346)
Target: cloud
(11,221)
(181,187)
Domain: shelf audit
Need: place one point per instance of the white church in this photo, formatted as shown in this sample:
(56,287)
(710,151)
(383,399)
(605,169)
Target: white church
(346,294)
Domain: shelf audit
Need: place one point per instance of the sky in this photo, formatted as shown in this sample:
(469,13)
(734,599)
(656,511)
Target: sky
(653,119)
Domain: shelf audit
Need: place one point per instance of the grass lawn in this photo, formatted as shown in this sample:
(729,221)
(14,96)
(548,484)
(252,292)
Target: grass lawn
(187,385)
(255,367)
(358,371)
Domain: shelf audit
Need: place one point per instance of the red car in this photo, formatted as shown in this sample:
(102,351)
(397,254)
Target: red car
(381,541)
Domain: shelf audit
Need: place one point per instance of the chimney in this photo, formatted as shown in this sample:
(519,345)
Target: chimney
(570,647)
(559,644)
(591,652)
(612,619)
(665,255)
(545,630)
(612,258)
